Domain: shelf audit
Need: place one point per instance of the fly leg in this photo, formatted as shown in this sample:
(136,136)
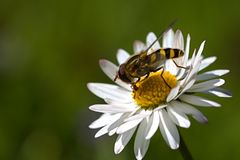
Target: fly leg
(143,78)
(147,76)
(139,78)
(163,77)
(116,77)
(186,68)
(179,66)
(133,85)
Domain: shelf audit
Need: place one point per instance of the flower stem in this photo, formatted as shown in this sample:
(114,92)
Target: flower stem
(184,150)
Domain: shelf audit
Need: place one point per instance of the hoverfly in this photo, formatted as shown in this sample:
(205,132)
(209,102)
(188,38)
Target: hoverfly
(143,63)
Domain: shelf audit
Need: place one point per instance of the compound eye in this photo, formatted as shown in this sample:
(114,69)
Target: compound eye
(121,69)
(124,77)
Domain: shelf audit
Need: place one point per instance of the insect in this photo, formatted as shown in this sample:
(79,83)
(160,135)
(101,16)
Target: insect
(143,64)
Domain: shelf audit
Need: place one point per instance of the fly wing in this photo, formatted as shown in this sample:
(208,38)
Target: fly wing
(156,39)
(155,60)
(151,38)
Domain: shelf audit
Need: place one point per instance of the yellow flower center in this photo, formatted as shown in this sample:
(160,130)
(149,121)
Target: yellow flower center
(152,91)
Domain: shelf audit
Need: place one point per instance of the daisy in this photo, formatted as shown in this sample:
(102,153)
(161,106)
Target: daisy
(153,104)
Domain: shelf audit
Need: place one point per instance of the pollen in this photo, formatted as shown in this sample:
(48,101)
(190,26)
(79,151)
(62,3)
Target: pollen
(152,91)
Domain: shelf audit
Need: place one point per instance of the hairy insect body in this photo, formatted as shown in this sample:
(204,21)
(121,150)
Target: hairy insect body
(142,64)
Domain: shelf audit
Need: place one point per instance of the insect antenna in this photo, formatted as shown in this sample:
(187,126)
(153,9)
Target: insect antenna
(169,27)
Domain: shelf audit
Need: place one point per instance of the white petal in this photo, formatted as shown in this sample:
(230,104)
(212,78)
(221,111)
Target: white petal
(190,63)
(198,55)
(171,67)
(168,39)
(128,125)
(188,109)
(188,85)
(177,116)
(153,125)
(192,58)
(122,56)
(102,131)
(173,93)
(169,130)
(220,92)
(194,64)
(204,86)
(186,54)
(105,108)
(141,144)
(110,128)
(151,37)
(181,76)
(109,91)
(178,40)
(112,131)
(206,62)
(198,101)
(108,68)
(159,107)
(193,70)
(122,140)
(138,47)
(196,59)
(211,74)
(114,126)
(111,70)
(104,120)
(141,115)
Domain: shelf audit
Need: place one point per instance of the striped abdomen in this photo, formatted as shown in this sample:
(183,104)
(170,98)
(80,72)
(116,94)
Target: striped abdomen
(169,53)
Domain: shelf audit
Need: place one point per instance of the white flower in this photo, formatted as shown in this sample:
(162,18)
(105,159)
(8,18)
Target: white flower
(127,109)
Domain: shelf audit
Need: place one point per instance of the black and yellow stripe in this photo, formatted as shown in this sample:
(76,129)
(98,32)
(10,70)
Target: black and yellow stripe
(169,53)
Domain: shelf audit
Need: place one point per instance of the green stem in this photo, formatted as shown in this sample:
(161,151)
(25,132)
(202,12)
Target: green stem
(184,150)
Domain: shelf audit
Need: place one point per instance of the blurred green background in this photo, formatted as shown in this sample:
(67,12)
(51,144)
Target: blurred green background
(49,51)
